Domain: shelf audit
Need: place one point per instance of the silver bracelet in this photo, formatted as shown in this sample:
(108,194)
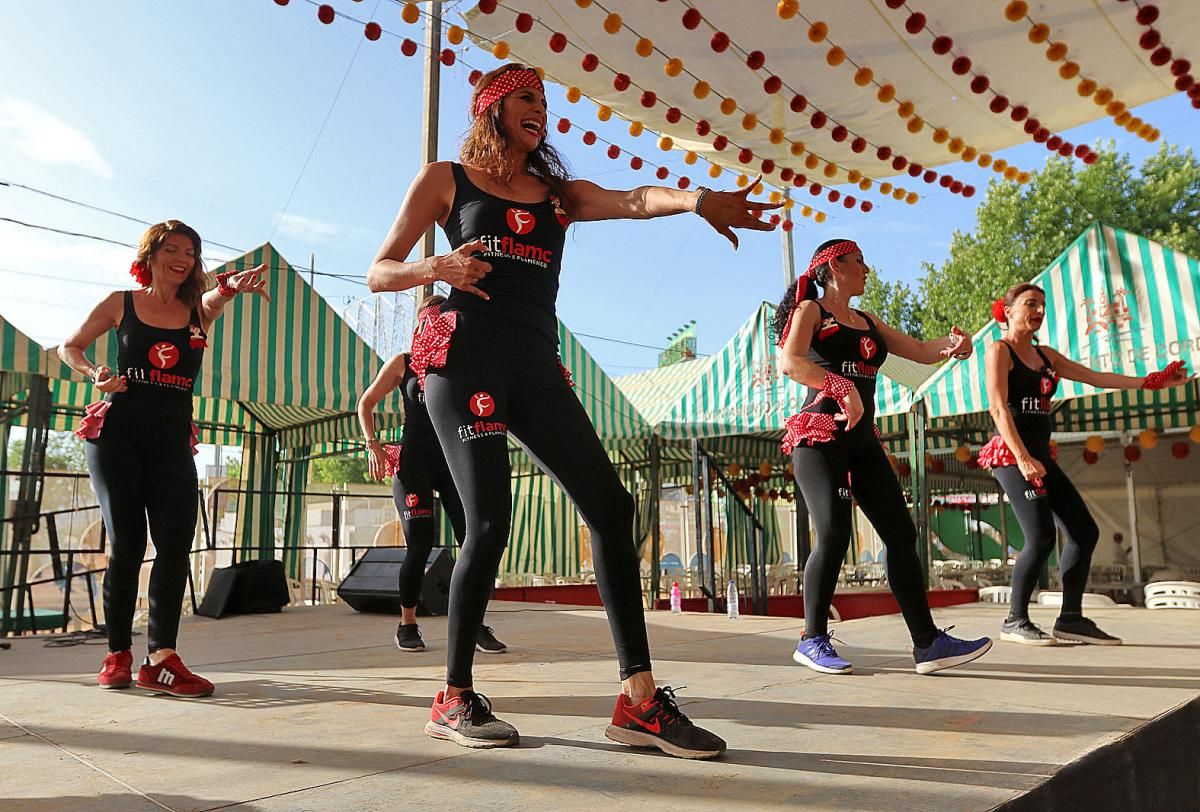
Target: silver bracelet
(704,190)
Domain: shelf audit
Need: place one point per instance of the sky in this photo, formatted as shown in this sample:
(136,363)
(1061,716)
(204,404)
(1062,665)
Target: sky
(254,122)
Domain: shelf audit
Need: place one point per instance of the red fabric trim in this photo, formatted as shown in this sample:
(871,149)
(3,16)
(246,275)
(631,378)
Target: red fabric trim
(431,342)
(837,387)
(195,439)
(223,284)
(93,420)
(807,427)
(996,454)
(391,459)
(1158,380)
(566,373)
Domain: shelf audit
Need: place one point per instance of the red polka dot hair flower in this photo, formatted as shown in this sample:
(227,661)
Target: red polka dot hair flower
(998,311)
(141,273)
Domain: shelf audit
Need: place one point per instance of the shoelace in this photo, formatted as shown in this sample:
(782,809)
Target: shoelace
(825,644)
(478,704)
(670,707)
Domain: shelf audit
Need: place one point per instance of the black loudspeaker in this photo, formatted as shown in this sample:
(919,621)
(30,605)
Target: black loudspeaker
(246,588)
(373,585)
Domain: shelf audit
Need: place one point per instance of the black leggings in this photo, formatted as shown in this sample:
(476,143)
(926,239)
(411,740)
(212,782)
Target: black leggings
(1038,509)
(503,377)
(142,469)
(828,474)
(422,471)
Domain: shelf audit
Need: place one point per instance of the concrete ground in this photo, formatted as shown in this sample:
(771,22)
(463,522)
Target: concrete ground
(315,709)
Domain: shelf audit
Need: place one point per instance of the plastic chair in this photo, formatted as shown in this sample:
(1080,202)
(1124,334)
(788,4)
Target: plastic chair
(1189,589)
(1090,600)
(1173,602)
(995,594)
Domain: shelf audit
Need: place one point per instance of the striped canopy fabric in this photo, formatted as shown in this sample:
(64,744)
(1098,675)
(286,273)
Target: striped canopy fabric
(1117,302)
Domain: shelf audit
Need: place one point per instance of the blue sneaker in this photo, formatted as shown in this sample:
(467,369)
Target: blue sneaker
(819,654)
(946,652)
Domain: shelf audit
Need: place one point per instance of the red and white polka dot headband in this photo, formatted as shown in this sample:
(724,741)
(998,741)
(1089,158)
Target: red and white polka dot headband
(806,289)
(506,83)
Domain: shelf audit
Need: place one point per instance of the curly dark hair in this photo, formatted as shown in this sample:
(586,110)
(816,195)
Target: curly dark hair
(193,287)
(787,305)
(485,145)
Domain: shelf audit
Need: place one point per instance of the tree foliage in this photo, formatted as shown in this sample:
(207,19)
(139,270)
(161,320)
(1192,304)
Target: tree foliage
(1020,230)
(341,470)
(894,302)
(64,452)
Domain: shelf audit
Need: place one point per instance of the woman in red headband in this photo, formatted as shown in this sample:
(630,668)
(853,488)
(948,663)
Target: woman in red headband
(489,366)
(836,351)
(1022,378)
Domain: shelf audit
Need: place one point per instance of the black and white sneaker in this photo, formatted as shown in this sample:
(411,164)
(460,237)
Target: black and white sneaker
(408,637)
(1082,630)
(486,641)
(1024,631)
(467,719)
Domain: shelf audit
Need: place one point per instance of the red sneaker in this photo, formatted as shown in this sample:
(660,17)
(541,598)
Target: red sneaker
(172,677)
(467,719)
(116,671)
(658,722)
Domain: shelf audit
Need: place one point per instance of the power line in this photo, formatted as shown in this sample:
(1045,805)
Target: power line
(51,277)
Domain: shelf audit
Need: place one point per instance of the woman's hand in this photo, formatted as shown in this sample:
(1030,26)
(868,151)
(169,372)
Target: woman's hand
(376,461)
(725,211)
(461,270)
(250,281)
(960,347)
(105,381)
(852,410)
(1031,469)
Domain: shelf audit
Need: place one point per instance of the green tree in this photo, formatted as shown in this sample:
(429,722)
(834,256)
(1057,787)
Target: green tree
(340,470)
(1021,229)
(64,452)
(894,302)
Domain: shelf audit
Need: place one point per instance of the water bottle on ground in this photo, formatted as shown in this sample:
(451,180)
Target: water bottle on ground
(731,599)
(676,598)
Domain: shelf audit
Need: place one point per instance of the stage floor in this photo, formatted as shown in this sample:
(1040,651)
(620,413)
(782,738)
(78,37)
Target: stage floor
(315,709)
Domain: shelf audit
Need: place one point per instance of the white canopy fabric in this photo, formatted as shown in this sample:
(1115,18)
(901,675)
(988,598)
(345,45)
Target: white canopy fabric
(1100,37)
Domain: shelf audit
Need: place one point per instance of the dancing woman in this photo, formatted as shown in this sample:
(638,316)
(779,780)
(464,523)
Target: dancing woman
(836,351)
(140,442)
(489,365)
(1022,378)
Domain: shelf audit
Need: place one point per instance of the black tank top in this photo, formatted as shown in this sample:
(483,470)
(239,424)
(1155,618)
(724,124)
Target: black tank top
(854,354)
(160,364)
(416,416)
(524,247)
(1029,394)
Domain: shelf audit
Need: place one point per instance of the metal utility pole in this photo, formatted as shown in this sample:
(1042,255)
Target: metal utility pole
(789,255)
(312,271)
(429,111)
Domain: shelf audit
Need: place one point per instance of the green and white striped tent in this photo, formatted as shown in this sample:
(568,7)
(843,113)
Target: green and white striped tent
(280,378)
(1115,301)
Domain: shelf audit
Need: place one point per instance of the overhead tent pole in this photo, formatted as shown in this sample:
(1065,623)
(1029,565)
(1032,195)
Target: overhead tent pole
(920,485)
(655,518)
(789,254)
(429,112)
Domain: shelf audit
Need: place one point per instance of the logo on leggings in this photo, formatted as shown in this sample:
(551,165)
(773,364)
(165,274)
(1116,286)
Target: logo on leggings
(164,355)
(1038,491)
(844,493)
(521,221)
(412,500)
(482,404)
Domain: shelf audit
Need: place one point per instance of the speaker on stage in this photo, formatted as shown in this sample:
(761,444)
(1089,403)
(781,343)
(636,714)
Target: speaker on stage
(248,587)
(373,585)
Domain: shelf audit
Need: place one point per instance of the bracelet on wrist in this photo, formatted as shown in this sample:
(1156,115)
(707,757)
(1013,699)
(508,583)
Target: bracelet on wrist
(223,284)
(703,192)
(371,441)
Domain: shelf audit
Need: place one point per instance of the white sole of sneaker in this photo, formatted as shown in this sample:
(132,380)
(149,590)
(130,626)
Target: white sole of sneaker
(800,658)
(156,690)
(950,662)
(407,648)
(115,687)
(1079,638)
(1008,637)
(483,650)
(636,738)
(447,734)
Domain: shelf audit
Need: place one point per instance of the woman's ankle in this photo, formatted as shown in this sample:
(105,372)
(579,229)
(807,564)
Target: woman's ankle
(158,655)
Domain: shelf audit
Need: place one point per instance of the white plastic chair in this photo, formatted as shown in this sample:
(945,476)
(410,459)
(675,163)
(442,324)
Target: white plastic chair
(1189,589)
(995,594)
(1091,600)
(1172,602)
